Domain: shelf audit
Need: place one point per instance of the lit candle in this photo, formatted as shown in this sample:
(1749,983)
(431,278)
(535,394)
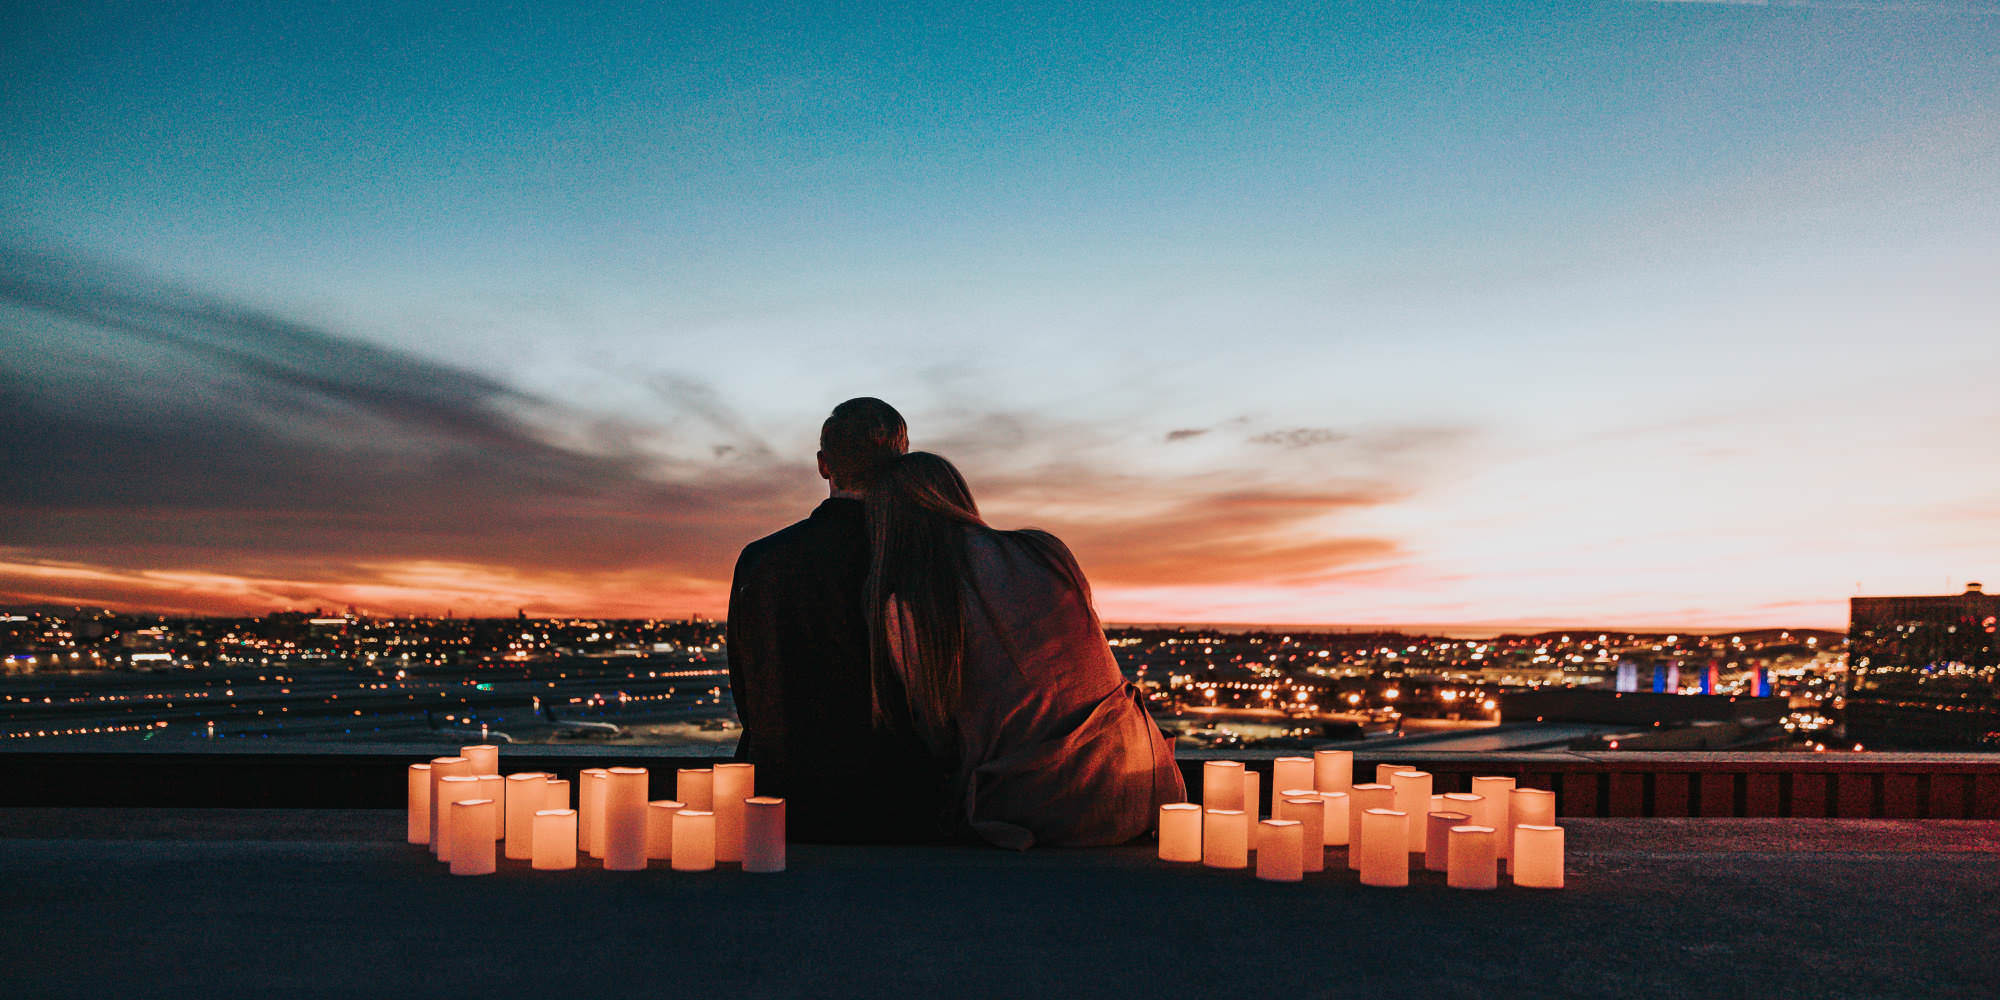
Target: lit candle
(1384,849)
(1180,832)
(1224,839)
(1278,850)
(731,784)
(1290,772)
(1253,802)
(1383,771)
(694,840)
(1413,799)
(624,819)
(696,787)
(555,840)
(763,834)
(1473,806)
(660,829)
(451,788)
(1527,805)
(525,793)
(1470,862)
(1222,784)
(590,810)
(485,758)
(1494,791)
(420,804)
(1538,856)
(1362,799)
(1336,827)
(441,768)
(1333,770)
(556,796)
(471,845)
(493,786)
(1305,809)
(1437,838)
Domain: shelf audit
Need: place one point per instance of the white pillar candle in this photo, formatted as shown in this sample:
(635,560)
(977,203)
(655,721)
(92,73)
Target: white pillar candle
(1278,850)
(1384,849)
(1333,770)
(485,758)
(1180,832)
(1524,806)
(1437,803)
(1538,856)
(1437,838)
(525,793)
(1413,798)
(555,840)
(471,846)
(1336,828)
(1224,839)
(731,784)
(493,786)
(1290,772)
(660,829)
(420,804)
(624,819)
(1305,809)
(441,768)
(451,788)
(1470,862)
(556,796)
(694,840)
(1362,799)
(1222,785)
(696,787)
(1383,771)
(763,834)
(590,810)
(1467,803)
(1494,791)
(1253,803)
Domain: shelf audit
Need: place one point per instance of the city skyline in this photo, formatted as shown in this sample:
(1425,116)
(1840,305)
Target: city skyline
(1635,315)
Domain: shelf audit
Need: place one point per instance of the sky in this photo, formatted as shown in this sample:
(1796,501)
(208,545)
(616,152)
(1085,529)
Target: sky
(1643,314)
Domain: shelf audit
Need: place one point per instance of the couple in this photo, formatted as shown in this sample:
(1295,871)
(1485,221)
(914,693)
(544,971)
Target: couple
(904,672)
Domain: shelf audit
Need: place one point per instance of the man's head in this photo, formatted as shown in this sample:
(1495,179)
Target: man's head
(860,435)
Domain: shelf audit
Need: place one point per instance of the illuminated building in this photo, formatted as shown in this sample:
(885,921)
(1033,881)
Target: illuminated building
(1924,672)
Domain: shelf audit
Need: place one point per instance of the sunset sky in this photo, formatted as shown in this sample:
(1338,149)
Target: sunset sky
(1669,314)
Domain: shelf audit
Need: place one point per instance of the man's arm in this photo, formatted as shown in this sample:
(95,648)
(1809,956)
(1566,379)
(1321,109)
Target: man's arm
(744,642)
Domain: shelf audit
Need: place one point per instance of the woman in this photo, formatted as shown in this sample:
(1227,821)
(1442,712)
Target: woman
(985,643)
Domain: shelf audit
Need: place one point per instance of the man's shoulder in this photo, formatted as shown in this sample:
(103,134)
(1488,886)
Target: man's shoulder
(809,538)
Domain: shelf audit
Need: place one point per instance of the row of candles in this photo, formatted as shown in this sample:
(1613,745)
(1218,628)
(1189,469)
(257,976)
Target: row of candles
(1387,826)
(470,815)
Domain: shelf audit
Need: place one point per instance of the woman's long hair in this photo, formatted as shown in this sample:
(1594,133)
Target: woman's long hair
(918,508)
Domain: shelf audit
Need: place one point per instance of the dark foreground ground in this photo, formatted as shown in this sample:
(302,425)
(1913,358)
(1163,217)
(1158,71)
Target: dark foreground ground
(296,903)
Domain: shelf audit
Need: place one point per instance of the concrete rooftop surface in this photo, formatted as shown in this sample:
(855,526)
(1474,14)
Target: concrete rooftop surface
(332,903)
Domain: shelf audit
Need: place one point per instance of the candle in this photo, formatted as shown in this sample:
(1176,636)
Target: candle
(696,787)
(694,840)
(590,810)
(471,844)
(1290,772)
(525,793)
(1470,862)
(660,829)
(441,768)
(623,826)
(1437,803)
(1305,809)
(451,788)
(1494,791)
(1384,849)
(1383,771)
(485,758)
(1278,850)
(1527,805)
(1333,770)
(420,804)
(493,786)
(556,796)
(1336,817)
(1180,832)
(555,840)
(1224,839)
(1222,785)
(1437,838)
(1362,799)
(1413,799)
(1473,806)
(1253,801)
(1538,856)
(731,784)
(763,834)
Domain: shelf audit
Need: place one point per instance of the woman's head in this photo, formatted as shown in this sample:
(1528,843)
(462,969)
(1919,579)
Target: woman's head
(918,506)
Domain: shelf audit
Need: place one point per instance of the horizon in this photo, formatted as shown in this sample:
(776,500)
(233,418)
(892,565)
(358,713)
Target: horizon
(1463,314)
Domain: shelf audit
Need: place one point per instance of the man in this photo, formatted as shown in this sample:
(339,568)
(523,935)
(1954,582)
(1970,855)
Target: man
(798,657)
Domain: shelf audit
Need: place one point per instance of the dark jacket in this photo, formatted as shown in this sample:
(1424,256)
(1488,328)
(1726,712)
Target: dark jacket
(798,668)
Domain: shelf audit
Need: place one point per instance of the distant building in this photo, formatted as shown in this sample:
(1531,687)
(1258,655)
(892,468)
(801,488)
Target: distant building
(1924,672)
